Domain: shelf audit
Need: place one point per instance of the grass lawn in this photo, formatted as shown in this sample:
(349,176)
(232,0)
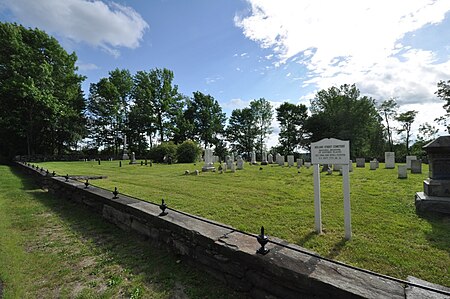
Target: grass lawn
(388,236)
(51,248)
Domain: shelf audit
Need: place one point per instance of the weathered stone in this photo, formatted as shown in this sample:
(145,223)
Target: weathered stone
(412,292)
(389,160)
(416,166)
(360,162)
(402,173)
(408,161)
(373,165)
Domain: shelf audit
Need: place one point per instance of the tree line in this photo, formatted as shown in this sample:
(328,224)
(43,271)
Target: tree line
(44,111)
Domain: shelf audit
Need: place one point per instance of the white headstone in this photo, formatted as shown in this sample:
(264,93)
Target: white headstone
(290,159)
(264,158)
(280,160)
(228,161)
(408,161)
(233,167)
(389,160)
(269,158)
(240,163)
(133,158)
(253,158)
(125,152)
(402,173)
(337,167)
(308,164)
(209,165)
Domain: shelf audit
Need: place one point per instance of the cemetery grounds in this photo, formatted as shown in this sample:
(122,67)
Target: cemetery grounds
(388,236)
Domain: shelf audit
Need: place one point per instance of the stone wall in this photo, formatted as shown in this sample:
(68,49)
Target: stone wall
(226,254)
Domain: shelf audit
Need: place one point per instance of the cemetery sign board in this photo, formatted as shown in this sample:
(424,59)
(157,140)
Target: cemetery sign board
(330,151)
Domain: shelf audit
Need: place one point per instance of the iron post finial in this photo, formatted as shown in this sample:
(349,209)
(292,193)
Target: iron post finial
(67,177)
(47,172)
(86,184)
(262,240)
(115,192)
(163,208)
(53,173)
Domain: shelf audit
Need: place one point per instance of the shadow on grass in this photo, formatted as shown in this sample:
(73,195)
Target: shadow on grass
(160,270)
(439,236)
(336,250)
(306,238)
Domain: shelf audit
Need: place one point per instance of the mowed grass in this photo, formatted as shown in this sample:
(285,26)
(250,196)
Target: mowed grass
(51,248)
(388,236)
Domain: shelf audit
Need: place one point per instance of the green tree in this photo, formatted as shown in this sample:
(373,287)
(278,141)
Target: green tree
(443,93)
(406,119)
(188,152)
(241,131)
(165,99)
(41,102)
(389,111)
(292,119)
(207,118)
(343,113)
(263,115)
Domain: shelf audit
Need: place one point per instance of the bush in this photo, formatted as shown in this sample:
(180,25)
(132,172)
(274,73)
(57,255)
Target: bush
(188,152)
(164,152)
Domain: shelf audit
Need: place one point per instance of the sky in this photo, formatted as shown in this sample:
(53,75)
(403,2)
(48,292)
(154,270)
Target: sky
(241,50)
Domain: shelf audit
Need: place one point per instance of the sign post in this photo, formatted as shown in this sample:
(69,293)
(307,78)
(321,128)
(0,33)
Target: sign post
(331,151)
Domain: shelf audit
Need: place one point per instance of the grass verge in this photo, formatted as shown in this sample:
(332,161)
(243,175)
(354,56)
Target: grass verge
(51,248)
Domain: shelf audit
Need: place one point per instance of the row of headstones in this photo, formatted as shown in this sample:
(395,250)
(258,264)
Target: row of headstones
(412,163)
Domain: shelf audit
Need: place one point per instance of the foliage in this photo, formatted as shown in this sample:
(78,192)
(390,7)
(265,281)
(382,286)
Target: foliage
(343,113)
(389,111)
(241,131)
(406,119)
(206,117)
(108,109)
(41,102)
(292,120)
(443,93)
(188,152)
(262,114)
(163,152)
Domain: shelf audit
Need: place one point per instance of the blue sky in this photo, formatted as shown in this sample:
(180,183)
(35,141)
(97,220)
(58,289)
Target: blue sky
(239,50)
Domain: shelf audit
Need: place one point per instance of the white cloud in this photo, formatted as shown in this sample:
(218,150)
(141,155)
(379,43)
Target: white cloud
(105,25)
(87,66)
(353,41)
(236,104)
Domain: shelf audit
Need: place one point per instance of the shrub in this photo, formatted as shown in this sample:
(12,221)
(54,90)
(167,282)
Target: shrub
(163,152)
(188,152)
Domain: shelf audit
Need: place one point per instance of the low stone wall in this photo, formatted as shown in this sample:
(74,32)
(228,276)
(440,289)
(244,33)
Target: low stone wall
(226,254)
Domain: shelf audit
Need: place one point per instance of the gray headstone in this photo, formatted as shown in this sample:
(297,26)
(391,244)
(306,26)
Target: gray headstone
(360,162)
(299,163)
(350,166)
(269,158)
(402,173)
(307,164)
(290,159)
(416,166)
(373,165)
(389,160)
(337,167)
(408,161)
(240,163)
(253,158)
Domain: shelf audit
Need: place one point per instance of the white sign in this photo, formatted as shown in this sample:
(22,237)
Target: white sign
(330,151)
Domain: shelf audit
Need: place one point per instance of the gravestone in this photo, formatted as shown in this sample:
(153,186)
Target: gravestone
(254,158)
(307,165)
(389,160)
(290,159)
(232,157)
(416,166)
(233,167)
(360,162)
(337,167)
(408,161)
(125,152)
(373,165)
(299,163)
(228,161)
(209,165)
(402,173)
(264,158)
(280,160)
(436,195)
(240,163)
(224,167)
(133,158)
(270,158)
(350,166)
